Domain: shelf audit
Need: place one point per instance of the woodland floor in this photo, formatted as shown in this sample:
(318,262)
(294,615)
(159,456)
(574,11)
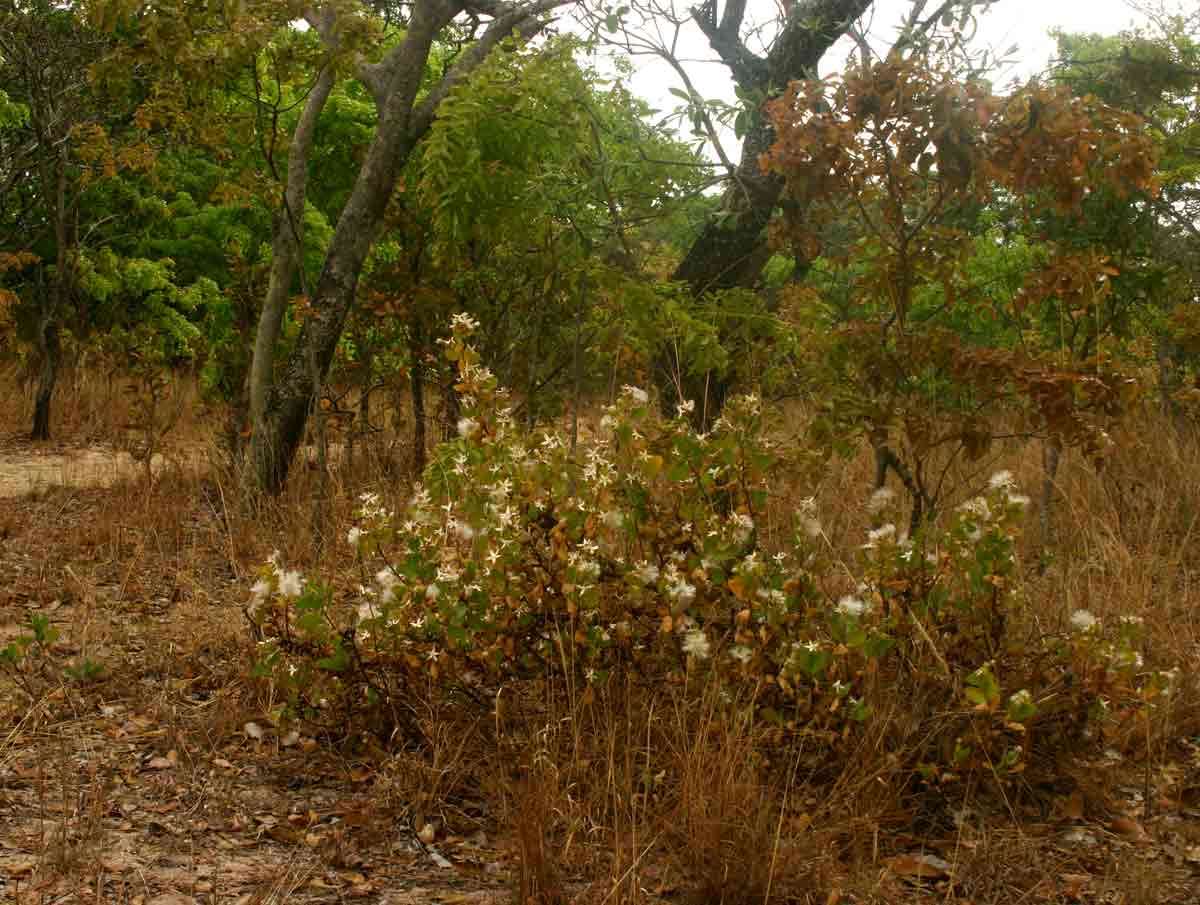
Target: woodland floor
(149,786)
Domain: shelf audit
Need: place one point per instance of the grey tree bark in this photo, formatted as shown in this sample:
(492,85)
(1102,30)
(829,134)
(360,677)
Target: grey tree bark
(403,122)
(287,250)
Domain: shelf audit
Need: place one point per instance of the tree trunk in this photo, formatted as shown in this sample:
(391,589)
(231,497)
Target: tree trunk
(731,252)
(51,352)
(287,254)
(402,124)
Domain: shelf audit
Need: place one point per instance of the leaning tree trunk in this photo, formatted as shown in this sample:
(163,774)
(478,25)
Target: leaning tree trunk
(286,260)
(402,123)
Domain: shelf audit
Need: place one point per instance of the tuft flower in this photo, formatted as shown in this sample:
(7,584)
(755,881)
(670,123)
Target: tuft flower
(260,589)
(977,509)
(1002,480)
(1084,621)
(647,573)
(464,321)
(354,535)
(695,644)
(741,653)
(852,606)
(637,394)
(682,591)
(467,427)
(290,584)
(387,584)
(883,532)
(879,499)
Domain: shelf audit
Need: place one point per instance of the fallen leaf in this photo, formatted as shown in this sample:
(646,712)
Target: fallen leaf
(160,763)
(427,833)
(1128,827)
(920,867)
(1073,885)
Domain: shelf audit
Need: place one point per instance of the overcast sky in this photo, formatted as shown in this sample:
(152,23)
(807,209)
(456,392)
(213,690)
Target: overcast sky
(1025,23)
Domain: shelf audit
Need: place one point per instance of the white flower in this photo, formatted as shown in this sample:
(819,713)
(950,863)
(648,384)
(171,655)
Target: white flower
(290,584)
(851,606)
(977,508)
(647,573)
(1001,480)
(260,589)
(695,644)
(682,591)
(880,498)
(637,394)
(431,592)
(465,321)
(354,535)
(883,532)
(741,653)
(686,407)
(467,427)
(1084,620)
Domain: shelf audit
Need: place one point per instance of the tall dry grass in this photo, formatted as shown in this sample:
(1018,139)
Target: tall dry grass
(636,793)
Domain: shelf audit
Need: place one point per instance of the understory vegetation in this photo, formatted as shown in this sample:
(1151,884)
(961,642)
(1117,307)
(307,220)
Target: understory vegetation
(431,473)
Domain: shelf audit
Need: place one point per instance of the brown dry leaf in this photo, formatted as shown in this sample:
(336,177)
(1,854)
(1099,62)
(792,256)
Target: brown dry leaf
(1128,827)
(1074,885)
(160,763)
(920,867)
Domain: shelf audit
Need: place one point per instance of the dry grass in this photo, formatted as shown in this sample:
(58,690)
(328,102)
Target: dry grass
(627,794)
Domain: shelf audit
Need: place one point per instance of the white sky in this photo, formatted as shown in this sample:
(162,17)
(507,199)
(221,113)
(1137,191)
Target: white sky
(1025,23)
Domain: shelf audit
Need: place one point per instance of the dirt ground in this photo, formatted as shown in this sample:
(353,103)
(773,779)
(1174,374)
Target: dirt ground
(23,470)
(154,784)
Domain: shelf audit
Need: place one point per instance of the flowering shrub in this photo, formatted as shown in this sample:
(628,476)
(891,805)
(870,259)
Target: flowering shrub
(641,550)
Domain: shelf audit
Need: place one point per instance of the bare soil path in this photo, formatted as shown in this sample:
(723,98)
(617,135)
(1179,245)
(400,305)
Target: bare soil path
(26,467)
